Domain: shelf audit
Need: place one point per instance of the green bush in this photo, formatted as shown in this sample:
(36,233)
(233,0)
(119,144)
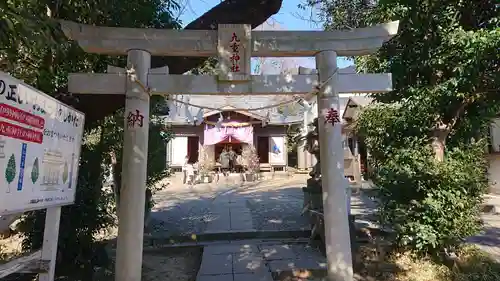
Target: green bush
(431,205)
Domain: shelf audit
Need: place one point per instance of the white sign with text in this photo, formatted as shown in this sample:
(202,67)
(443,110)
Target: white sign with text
(40,142)
(277,150)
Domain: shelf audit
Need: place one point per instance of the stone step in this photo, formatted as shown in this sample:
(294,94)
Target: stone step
(289,261)
(270,241)
(154,239)
(256,260)
(233,262)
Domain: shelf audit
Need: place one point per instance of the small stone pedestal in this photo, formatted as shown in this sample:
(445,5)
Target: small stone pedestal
(250,177)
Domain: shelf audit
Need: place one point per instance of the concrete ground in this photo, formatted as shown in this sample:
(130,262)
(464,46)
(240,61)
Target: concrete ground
(272,205)
(489,239)
(230,206)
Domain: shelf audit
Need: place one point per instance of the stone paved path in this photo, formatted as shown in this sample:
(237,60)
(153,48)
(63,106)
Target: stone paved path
(489,239)
(271,205)
(256,260)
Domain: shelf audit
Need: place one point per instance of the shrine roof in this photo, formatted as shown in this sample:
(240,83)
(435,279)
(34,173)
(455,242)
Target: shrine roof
(237,102)
(360,100)
(353,105)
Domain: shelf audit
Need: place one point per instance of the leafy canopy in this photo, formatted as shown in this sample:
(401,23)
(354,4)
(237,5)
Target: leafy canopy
(444,65)
(34,50)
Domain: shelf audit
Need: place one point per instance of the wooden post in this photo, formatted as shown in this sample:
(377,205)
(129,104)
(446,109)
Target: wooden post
(135,153)
(338,246)
(50,239)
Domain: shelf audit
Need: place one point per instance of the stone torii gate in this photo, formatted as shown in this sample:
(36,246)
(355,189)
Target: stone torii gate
(234,45)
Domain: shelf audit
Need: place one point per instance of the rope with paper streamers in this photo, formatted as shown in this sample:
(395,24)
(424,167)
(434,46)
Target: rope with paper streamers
(295,98)
(232,124)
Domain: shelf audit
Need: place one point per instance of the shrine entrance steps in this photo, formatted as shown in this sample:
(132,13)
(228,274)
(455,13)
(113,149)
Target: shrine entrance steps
(259,260)
(177,176)
(248,231)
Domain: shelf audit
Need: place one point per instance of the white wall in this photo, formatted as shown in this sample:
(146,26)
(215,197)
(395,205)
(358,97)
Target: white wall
(179,150)
(495,135)
(494,172)
(277,158)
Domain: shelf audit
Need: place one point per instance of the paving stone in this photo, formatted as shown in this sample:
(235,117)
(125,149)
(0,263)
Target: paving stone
(304,251)
(289,265)
(277,252)
(241,220)
(220,277)
(249,263)
(237,205)
(241,224)
(238,200)
(229,249)
(218,219)
(243,228)
(250,242)
(241,213)
(253,277)
(219,224)
(217,229)
(219,211)
(235,208)
(216,264)
(219,232)
(220,204)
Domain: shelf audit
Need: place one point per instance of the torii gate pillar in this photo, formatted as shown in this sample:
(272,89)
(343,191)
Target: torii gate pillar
(338,248)
(135,157)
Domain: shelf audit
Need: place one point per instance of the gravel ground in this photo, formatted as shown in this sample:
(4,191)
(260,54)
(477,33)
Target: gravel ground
(172,264)
(181,264)
(182,220)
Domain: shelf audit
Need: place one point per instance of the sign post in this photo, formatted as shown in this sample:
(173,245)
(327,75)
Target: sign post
(41,140)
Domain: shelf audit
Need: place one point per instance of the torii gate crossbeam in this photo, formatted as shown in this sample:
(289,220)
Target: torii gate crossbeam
(234,45)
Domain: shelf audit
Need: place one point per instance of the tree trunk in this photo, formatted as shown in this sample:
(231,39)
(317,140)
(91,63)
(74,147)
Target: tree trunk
(254,12)
(439,142)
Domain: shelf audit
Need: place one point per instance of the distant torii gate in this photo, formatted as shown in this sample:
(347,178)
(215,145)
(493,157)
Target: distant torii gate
(234,45)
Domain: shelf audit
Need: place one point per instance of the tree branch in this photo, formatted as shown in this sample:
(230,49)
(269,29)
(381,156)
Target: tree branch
(254,12)
(460,110)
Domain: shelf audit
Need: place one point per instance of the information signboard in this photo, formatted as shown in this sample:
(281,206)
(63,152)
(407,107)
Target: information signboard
(40,142)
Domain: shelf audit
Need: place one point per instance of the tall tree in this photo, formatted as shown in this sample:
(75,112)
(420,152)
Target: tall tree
(229,11)
(445,64)
(46,66)
(426,139)
(445,76)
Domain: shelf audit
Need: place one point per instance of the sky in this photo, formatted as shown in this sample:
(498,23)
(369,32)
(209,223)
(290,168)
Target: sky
(290,17)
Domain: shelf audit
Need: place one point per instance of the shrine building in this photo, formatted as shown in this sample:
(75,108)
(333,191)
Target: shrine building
(198,130)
